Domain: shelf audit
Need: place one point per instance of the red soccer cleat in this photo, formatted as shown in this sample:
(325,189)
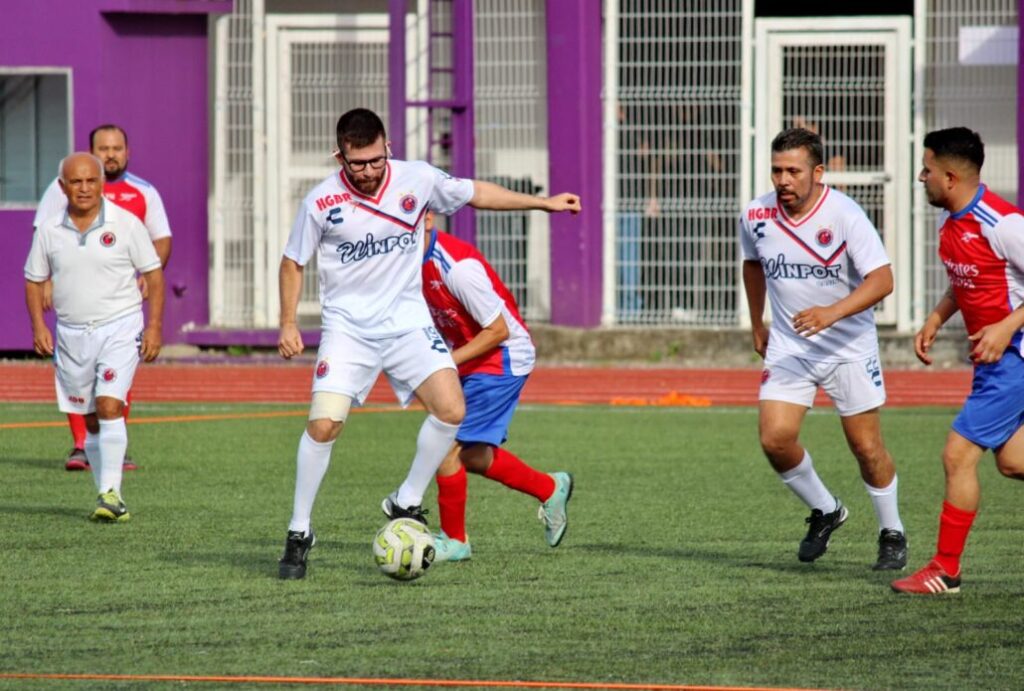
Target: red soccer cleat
(76,460)
(930,580)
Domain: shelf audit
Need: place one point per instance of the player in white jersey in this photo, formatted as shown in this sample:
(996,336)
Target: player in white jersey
(823,266)
(91,251)
(109,143)
(365,227)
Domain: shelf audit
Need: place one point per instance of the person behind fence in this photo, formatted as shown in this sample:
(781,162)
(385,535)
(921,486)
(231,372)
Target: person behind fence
(364,224)
(981,244)
(91,251)
(109,143)
(819,259)
(479,319)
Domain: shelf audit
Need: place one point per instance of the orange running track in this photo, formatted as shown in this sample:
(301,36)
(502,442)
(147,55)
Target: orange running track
(286,383)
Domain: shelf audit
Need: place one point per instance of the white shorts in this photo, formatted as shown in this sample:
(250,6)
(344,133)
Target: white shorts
(854,387)
(94,361)
(350,365)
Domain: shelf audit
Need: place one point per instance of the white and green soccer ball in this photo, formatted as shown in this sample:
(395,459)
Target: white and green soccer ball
(403,549)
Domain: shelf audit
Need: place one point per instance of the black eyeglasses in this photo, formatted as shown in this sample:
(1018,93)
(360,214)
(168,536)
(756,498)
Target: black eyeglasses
(359,166)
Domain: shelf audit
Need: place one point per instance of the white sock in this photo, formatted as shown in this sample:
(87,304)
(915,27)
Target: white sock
(432,445)
(113,442)
(886,506)
(806,484)
(92,454)
(310,467)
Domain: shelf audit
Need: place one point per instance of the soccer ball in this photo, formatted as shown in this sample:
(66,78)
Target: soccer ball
(403,549)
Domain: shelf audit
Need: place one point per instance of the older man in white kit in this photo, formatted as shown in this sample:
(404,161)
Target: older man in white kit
(92,252)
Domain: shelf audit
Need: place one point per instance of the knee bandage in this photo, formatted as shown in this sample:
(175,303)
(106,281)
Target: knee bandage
(330,406)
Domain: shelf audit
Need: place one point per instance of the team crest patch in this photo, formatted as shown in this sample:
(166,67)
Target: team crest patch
(108,239)
(109,375)
(766,374)
(408,203)
(322,368)
(824,237)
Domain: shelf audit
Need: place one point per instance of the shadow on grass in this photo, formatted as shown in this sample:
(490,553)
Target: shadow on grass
(41,463)
(45,511)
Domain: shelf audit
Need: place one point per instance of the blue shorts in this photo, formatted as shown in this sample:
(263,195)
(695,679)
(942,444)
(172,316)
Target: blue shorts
(995,408)
(491,400)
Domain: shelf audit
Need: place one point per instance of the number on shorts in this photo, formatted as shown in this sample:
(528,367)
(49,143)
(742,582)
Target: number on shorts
(436,342)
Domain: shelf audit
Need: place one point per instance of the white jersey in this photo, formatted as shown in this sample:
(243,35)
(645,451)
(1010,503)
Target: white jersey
(369,249)
(817,260)
(129,191)
(93,272)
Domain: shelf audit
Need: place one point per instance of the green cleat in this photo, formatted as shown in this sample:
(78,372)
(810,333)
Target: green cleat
(554,512)
(110,508)
(447,549)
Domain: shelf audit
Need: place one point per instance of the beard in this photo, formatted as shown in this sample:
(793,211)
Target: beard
(113,170)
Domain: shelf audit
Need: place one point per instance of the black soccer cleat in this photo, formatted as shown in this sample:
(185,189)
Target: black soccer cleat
(392,510)
(296,551)
(892,551)
(821,527)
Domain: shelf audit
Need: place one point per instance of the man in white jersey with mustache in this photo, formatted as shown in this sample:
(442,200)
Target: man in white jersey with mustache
(365,226)
(821,261)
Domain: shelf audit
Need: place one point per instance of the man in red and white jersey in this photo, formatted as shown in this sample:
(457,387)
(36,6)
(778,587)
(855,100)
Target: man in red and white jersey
(364,224)
(981,244)
(109,143)
(480,321)
(91,251)
(816,254)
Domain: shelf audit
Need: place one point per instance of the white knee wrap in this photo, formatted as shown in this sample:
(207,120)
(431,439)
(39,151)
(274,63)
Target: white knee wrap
(329,406)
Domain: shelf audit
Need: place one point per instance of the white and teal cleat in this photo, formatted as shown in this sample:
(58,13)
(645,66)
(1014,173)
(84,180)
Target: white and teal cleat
(448,549)
(554,512)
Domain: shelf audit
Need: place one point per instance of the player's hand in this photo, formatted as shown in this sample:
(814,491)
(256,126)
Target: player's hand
(151,342)
(47,295)
(814,320)
(289,343)
(760,334)
(990,342)
(42,341)
(143,287)
(923,341)
(564,202)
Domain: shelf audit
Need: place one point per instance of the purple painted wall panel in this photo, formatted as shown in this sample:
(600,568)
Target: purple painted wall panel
(574,125)
(1020,104)
(147,72)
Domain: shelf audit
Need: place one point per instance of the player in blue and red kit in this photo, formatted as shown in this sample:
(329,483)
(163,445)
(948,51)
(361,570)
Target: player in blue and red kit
(981,244)
(479,318)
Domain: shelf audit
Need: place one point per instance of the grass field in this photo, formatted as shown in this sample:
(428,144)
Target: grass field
(679,565)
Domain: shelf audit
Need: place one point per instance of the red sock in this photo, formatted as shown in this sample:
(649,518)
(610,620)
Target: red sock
(77,424)
(127,405)
(451,503)
(954,525)
(512,472)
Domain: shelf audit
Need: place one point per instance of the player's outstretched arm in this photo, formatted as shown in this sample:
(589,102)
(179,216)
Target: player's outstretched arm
(489,338)
(876,286)
(152,336)
(487,195)
(289,340)
(42,339)
(924,338)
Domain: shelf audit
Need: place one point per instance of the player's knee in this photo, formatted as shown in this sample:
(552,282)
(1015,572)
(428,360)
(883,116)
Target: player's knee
(452,412)
(775,444)
(323,430)
(477,458)
(1011,467)
(108,408)
(869,451)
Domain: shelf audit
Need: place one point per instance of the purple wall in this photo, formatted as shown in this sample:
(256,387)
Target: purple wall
(143,66)
(574,136)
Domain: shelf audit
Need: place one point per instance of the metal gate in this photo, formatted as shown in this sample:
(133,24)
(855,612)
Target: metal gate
(849,80)
(318,67)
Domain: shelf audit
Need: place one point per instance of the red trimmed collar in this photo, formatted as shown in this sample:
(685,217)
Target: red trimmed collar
(380,191)
(807,217)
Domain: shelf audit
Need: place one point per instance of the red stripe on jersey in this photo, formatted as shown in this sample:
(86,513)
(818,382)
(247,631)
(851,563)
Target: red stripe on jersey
(451,317)
(380,193)
(388,217)
(127,196)
(810,250)
(797,224)
(998,204)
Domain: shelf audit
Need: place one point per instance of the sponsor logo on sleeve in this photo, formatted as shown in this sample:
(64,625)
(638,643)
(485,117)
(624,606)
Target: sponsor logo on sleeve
(109,375)
(322,368)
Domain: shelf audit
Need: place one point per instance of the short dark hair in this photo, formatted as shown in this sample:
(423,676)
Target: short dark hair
(359,127)
(798,137)
(104,128)
(958,143)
